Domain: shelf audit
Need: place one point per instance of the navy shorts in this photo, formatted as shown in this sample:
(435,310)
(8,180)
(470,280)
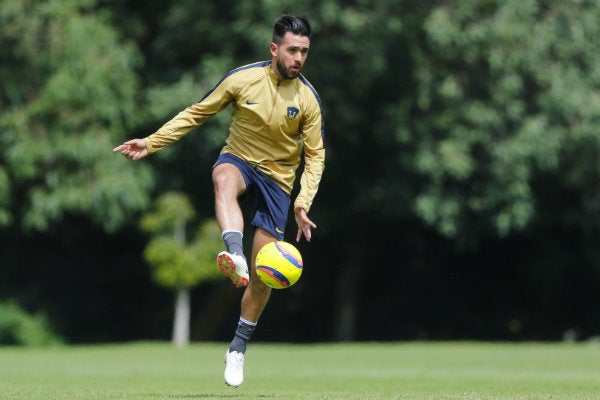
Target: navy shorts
(269,203)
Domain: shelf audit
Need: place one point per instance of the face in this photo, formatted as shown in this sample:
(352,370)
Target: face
(289,55)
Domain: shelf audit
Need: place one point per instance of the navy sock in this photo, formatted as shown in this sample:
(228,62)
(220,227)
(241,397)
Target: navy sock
(242,335)
(233,242)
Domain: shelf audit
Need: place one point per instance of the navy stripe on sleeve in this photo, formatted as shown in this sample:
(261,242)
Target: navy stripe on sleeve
(312,89)
(255,65)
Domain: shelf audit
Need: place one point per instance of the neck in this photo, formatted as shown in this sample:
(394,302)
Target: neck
(275,70)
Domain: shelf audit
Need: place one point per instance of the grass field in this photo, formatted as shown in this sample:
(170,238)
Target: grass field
(409,370)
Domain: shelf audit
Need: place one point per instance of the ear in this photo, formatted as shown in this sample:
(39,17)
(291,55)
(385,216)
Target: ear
(273,47)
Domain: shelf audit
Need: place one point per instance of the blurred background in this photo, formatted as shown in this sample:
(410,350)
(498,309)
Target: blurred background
(461,197)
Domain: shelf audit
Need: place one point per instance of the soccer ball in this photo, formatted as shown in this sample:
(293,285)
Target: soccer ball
(279,264)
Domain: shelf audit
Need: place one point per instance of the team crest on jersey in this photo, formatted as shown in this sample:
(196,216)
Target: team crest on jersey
(292,112)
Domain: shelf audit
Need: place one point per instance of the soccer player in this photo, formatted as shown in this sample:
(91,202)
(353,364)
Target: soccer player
(276,119)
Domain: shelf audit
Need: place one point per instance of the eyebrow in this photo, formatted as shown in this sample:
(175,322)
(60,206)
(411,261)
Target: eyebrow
(292,46)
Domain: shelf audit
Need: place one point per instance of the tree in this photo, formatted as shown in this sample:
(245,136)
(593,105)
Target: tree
(68,94)
(499,103)
(466,122)
(177,264)
(461,137)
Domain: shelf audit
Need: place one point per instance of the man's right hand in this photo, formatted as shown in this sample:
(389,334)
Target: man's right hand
(134,149)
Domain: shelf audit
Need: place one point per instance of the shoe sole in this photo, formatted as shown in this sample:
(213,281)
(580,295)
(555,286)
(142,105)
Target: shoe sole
(227,268)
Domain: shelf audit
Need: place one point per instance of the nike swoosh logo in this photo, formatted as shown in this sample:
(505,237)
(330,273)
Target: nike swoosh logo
(251,103)
(278,230)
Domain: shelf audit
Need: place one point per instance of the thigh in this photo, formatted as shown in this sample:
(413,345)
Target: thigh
(230,173)
(271,207)
(261,237)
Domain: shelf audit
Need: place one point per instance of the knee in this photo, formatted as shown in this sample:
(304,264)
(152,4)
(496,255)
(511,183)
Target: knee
(220,180)
(227,181)
(258,288)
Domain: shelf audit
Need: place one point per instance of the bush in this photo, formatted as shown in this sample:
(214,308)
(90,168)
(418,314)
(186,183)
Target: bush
(17,327)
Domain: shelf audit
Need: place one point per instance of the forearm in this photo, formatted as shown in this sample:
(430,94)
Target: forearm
(310,179)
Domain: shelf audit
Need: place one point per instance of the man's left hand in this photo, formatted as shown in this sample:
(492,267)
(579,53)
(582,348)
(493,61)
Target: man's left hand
(304,224)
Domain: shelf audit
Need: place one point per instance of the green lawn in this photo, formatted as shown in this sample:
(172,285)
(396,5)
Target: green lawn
(409,370)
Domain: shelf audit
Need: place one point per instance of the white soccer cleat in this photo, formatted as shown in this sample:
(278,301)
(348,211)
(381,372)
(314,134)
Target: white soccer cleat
(234,368)
(235,267)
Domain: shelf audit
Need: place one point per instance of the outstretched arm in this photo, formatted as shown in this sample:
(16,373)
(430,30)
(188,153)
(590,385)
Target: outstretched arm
(134,149)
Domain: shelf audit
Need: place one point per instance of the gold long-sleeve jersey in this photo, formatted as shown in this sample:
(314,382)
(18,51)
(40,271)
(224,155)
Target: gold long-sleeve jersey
(273,122)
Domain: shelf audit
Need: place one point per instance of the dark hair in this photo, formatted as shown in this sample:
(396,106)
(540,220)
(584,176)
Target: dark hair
(290,23)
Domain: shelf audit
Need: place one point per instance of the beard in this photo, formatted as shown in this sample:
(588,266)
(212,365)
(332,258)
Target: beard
(287,74)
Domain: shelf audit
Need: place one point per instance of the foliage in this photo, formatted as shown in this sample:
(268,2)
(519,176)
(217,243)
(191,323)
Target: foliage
(17,327)
(460,135)
(171,212)
(175,263)
(498,112)
(68,94)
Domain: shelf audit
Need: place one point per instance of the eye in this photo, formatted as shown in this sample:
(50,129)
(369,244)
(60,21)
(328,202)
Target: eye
(293,50)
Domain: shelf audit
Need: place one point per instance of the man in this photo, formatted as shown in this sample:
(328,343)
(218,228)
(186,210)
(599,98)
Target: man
(276,118)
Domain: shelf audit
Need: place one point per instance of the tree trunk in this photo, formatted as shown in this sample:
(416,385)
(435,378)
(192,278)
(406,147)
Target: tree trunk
(181,323)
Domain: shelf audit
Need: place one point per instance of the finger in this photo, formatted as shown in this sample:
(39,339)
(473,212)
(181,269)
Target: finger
(307,233)
(309,222)
(129,154)
(299,235)
(309,225)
